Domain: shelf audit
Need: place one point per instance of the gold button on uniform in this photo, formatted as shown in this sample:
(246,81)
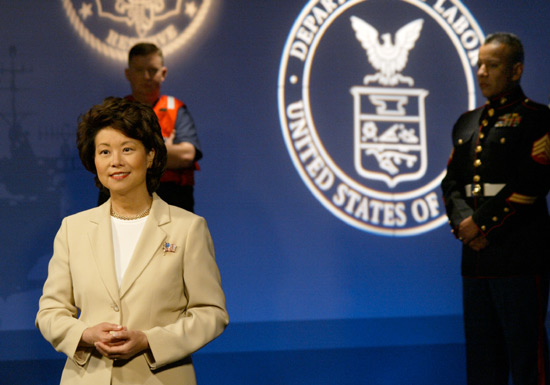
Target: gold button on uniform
(479,149)
(491,112)
(495,219)
(503,100)
(476,178)
(483,228)
(477,163)
(459,141)
(506,210)
(502,140)
(482,136)
(484,122)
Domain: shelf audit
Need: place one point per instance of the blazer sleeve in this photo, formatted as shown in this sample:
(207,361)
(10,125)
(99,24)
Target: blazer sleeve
(206,316)
(57,314)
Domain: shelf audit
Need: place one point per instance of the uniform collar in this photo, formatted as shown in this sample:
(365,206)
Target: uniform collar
(133,99)
(506,99)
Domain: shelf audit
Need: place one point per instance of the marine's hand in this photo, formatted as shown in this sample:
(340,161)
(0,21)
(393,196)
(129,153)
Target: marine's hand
(467,230)
(479,243)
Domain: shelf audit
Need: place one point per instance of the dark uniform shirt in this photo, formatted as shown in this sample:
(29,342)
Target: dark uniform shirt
(499,173)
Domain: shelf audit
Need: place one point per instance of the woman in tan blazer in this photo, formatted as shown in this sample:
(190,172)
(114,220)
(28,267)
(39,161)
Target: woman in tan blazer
(133,288)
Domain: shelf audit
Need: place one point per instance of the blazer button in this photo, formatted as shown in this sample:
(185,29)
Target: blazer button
(115,307)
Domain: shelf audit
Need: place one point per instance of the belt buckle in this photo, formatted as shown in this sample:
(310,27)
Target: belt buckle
(477,190)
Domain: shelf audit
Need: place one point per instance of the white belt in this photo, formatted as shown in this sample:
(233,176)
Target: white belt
(483,189)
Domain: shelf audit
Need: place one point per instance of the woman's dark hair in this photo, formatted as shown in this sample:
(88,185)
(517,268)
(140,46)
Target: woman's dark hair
(133,119)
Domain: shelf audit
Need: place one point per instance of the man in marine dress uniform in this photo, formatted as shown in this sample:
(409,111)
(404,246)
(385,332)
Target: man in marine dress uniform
(146,73)
(495,196)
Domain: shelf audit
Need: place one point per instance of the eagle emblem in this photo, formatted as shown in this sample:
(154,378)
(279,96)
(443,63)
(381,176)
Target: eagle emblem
(387,58)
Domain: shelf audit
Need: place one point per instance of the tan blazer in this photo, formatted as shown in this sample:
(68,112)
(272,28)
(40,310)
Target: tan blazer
(174,297)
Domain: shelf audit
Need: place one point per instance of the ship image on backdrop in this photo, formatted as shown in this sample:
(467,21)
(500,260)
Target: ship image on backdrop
(32,186)
(368,135)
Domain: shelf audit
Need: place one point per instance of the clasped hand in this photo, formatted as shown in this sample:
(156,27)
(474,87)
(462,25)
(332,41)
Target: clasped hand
(115,341)
(470,236)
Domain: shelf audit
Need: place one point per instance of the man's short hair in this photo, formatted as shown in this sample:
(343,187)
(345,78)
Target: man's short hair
(512,41)
(144,49)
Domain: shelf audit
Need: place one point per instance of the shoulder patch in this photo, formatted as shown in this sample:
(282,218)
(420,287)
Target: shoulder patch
(522,199)
(541,150)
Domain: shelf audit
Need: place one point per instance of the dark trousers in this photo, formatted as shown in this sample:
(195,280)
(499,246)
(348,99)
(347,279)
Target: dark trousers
(504,329)
(171,193)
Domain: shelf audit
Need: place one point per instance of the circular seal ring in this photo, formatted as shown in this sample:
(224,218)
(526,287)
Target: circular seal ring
(293,86)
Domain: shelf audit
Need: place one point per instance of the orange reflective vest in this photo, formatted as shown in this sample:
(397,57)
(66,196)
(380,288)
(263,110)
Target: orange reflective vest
(167,111)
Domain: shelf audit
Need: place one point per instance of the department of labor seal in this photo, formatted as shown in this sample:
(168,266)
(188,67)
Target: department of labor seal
(112,27)
(367,94)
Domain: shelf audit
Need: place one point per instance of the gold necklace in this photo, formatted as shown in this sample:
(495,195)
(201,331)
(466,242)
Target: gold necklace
(138,216)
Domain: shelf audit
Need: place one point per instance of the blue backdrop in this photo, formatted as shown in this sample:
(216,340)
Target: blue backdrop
(315,294)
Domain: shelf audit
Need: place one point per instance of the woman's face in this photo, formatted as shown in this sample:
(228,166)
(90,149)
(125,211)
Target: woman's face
(121,162)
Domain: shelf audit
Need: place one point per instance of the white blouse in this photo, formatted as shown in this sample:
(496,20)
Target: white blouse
(125,237)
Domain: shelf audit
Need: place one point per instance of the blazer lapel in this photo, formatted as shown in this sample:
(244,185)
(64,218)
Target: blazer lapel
(101,239)
(150,243)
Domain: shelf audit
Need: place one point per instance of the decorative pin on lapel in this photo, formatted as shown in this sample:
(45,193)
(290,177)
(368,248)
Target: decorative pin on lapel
(169,248)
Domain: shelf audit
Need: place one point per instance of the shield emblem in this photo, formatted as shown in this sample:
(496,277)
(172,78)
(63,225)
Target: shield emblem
(390,133)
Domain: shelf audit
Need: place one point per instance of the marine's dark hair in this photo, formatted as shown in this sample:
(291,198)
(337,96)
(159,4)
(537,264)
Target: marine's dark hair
(144,49)
(133,119)
(517,55)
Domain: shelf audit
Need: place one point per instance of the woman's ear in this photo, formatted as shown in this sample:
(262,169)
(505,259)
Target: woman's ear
(150,158)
